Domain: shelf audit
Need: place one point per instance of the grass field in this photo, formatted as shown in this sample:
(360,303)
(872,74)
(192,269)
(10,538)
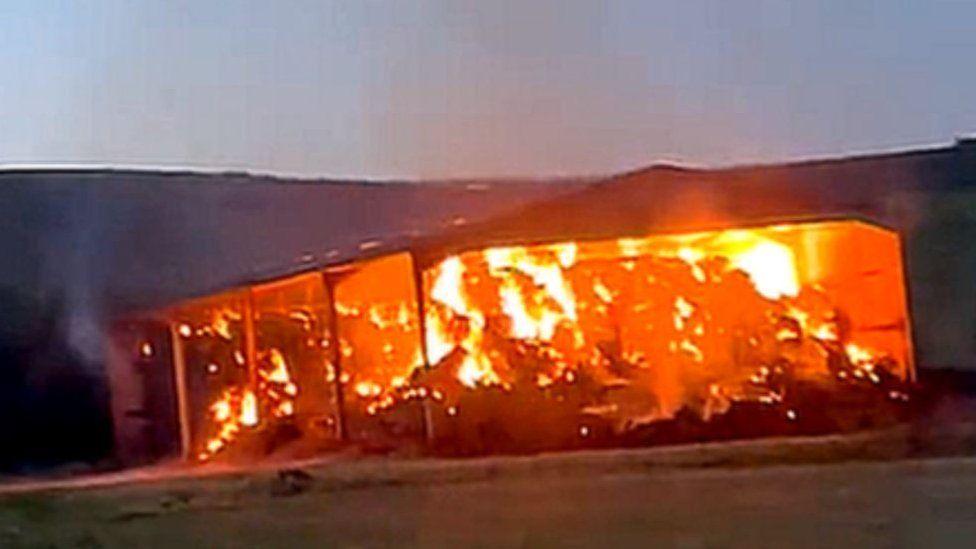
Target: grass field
(826,491)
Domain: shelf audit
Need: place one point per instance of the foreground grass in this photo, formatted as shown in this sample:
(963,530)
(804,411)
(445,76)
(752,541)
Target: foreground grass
(380,501)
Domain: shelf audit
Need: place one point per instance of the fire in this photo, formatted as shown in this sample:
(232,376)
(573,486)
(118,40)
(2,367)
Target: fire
(526,324)
(717,291)
(602,291)
(587,338)
(566,253)
(825,332)
(447,287)
(857,354)
(279,370)
(146,349)
(366,389)
(476,370)
(507,263)
(682,312)
(771,267)
(249,409)
(630,247)
(439,345)
(240,406)
(221,410)
(230,412)
(221,323)
(447,291)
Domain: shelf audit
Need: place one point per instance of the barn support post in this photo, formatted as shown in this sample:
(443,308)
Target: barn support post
(250,340)
(910,365)
(418,284)
(336,358)
(182,398)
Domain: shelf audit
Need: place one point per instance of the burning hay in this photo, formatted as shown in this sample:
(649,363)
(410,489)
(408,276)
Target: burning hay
(579,340)
(524,348)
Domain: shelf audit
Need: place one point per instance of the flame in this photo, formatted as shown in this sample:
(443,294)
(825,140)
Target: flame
(366,389)
(146,349)
(602,292)
(221,410)
(439,344)
(692,256)
(476,370)
(548,275)
(249,409)
(857,354)
(229,412)
(825,332)
(239,407)
(682,312)
(566,253)
(285,408)
(447,287)
(562,332)
(279,371)
(771,267)
(692,349)
(221,321)
(624,332)
(447,290)
(525,325)
(630,247)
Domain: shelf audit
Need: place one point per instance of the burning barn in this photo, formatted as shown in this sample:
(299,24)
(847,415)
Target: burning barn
(657,306)
(521,347)
(652,324)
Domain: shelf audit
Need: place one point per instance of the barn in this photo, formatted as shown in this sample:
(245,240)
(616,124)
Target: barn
(212,317)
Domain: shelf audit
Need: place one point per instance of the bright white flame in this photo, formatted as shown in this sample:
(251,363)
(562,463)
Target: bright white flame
(771,267)
(566,253)
(447,287)
(249,409)
(366,389)
(857,354)
(474,371)
(438,344)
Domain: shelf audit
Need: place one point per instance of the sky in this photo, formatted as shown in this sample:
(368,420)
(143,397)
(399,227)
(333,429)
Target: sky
(465,88)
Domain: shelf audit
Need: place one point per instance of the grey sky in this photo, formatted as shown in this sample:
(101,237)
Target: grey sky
(432,89)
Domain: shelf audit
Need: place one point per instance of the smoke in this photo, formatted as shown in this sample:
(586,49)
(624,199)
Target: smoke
(74,255)
(52,387)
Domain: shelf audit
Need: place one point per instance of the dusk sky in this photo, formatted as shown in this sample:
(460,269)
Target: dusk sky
(478,88)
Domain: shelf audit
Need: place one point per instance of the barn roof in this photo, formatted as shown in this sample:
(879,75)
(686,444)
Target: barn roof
(134,239)
(665,198)
(127,239)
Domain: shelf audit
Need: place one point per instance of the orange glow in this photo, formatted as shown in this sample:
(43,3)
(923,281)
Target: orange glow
(282,385)
(580,340)
(669,322)
(771,268)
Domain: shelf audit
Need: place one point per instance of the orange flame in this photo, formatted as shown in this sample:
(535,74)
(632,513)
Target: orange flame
(629,331)
(533,289)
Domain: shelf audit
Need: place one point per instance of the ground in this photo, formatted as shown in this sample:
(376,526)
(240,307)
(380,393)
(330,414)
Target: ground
(779,493)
